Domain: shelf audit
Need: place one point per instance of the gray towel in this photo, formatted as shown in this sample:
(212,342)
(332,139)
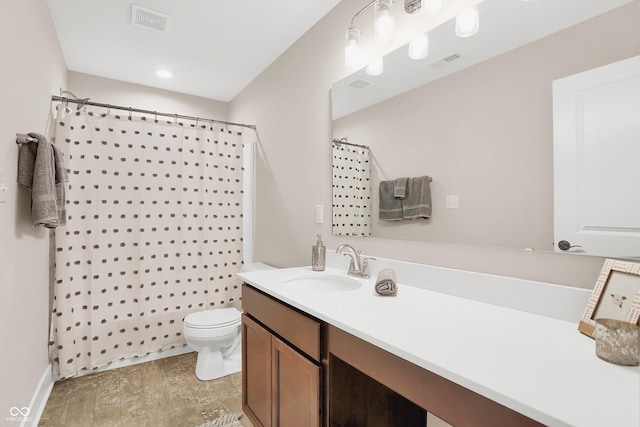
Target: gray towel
(386,282)
(390,208)
(400,188)
(45,174)
(26,160)
(417,204)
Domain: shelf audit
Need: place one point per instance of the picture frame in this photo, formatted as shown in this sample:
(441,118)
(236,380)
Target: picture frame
(616,295)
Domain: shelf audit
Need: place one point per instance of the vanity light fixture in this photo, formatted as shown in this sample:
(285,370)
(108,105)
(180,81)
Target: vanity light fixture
(384,24)
(375,67)
(352,54)
(419,47)
(467,22)
(432,7)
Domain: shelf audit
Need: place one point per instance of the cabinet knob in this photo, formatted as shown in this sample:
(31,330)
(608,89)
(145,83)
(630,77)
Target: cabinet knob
(564,245)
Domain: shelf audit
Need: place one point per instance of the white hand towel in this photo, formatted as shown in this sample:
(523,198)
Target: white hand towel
(386,282)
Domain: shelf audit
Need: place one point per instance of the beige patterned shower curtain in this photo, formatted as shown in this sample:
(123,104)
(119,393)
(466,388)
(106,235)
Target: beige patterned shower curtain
(154,232)
(351,190)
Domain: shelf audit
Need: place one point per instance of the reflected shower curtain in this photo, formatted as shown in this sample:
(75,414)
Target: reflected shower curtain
(351,190)
(154,232)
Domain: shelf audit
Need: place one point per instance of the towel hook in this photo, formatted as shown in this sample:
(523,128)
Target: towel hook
(63,92)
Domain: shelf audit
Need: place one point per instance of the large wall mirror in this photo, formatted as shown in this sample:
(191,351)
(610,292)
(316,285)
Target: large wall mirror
(476,115)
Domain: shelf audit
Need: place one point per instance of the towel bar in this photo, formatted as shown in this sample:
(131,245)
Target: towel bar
(27,140)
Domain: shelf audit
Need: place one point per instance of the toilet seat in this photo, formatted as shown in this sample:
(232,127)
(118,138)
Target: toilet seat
(213,319)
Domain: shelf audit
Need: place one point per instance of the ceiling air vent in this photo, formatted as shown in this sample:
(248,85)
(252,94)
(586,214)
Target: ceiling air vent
(359,83)
(149,19)
(445,60)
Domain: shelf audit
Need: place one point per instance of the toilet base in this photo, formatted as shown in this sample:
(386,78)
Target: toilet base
(211,365)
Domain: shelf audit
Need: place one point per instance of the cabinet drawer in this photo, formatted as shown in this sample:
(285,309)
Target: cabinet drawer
(298,329)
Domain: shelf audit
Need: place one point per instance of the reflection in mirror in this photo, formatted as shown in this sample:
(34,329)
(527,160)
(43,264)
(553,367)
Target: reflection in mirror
(596,118)
(351,189)
(482,126)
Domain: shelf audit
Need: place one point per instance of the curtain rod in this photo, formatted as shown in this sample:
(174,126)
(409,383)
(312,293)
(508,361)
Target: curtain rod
(344,141)
(82,102)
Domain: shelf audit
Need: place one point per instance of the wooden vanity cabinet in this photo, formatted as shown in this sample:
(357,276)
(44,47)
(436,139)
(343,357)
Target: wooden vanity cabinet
(300,372)
(281,372)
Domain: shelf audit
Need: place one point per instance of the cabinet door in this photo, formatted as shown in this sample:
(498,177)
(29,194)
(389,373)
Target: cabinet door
(256,372)
(296,388)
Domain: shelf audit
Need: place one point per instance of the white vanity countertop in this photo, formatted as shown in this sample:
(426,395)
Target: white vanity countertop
(539,366)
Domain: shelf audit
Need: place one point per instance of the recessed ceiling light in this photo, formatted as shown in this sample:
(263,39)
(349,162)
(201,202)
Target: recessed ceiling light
(164,74)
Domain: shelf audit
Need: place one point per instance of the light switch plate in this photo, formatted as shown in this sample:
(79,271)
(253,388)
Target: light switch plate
(319,214)
(452,202)
(3,187)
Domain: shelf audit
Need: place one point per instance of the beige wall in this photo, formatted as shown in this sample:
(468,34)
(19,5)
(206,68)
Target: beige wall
(290,103)
(486,135)
(107,91)
(33,69)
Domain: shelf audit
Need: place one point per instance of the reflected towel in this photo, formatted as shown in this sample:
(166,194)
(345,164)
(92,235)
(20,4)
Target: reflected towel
(400,188)
(386,282)
(390,208)
(417,204)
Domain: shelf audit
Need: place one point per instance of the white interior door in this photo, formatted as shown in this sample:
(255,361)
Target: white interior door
(596,118)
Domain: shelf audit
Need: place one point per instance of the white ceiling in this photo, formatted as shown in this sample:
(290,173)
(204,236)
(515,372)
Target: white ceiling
(214,48)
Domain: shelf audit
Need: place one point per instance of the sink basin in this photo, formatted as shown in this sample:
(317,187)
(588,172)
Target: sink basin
(318,282)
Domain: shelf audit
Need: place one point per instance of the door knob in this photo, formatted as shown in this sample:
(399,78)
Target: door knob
(565,245)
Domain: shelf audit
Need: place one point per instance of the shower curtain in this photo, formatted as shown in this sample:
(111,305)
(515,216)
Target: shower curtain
(351,191)
(154,232)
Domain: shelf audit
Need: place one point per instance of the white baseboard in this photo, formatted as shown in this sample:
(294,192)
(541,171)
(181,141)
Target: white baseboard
(43,390)
(39,399)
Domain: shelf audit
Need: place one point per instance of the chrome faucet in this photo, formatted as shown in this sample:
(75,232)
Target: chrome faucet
(358,266)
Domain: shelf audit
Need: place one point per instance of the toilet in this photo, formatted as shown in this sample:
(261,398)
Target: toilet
(216,336)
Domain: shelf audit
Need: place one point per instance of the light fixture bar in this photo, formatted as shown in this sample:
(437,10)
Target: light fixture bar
(353,20)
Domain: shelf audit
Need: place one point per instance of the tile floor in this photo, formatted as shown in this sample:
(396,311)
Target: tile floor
(160,393)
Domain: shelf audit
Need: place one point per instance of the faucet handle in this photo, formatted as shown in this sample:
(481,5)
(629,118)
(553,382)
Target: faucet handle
(365,266)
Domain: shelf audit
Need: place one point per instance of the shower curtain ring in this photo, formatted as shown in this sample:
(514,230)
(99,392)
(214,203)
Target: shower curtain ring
(130,110)
(175,119)
(155,116)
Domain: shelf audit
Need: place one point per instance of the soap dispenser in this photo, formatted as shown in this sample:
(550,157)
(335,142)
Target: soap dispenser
(318,254)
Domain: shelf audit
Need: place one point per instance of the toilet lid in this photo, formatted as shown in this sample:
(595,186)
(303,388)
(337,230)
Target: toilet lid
(217,318)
